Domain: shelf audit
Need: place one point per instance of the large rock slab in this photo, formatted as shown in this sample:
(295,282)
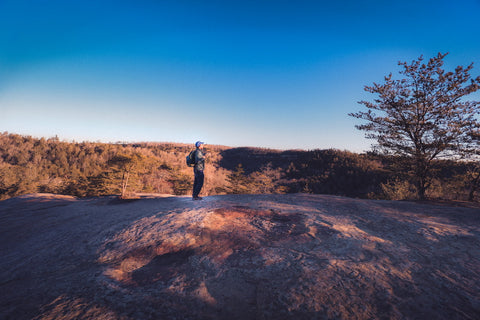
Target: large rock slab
(237,257)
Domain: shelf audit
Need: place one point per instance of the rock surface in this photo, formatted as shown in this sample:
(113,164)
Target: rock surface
(237,257)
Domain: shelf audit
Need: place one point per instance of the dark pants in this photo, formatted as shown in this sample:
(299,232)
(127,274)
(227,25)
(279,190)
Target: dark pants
(198,183)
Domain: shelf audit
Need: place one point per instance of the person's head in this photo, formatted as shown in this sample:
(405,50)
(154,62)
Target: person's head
(199,144)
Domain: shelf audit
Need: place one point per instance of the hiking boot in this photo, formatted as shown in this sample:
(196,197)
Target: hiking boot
(197,198)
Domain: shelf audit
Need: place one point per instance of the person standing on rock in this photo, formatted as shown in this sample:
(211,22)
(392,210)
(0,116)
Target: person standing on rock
(199,160)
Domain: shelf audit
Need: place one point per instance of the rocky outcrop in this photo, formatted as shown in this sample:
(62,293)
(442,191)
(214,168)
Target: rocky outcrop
(237,257)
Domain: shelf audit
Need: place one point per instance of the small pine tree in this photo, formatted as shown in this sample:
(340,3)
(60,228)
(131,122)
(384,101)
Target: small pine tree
(238,182)
(125,166)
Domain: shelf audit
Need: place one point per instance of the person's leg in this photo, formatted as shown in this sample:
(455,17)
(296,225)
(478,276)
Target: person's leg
(201,179)
(198,183)
(195,185)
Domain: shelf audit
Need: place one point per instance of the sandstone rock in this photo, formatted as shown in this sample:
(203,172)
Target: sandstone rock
(237,257)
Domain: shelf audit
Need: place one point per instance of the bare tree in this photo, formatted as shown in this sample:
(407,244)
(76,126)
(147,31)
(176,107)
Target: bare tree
(423,116)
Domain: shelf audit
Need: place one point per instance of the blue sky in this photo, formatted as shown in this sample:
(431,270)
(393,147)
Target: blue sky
(276,74)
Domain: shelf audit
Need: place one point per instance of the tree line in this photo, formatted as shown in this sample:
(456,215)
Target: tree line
(83,169)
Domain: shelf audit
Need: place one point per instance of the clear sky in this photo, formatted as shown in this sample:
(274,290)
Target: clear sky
(273,73)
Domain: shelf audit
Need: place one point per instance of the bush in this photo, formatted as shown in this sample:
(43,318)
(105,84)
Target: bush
(399,190)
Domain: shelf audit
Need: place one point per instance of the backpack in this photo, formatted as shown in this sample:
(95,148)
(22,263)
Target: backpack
(191,159)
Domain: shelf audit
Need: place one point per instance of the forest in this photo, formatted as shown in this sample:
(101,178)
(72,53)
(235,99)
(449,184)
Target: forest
(85,169)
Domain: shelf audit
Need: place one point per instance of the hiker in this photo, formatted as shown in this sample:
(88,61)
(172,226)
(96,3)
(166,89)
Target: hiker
(199,160)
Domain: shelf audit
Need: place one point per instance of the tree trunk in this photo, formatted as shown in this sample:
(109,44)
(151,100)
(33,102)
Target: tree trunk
(421,185)
(421,191)
(421,172)
(474,186)
(124,184)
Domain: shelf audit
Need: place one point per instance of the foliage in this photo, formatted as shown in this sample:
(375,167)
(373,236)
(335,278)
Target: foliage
(238,182)
(473,176)
(181,183)
(422,116)
(398,189)
(123,166)
(29,165)
(266,180)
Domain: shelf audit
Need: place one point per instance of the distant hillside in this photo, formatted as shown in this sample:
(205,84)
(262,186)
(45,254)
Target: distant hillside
(29,165)
(294,256)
